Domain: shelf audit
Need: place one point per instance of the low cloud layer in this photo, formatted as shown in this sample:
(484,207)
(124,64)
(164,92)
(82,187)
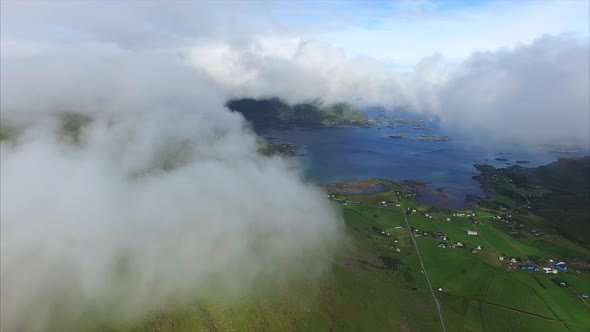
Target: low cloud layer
(161,195)
(161,190)
(532,93)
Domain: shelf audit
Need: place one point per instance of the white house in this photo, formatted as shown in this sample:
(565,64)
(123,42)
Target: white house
(469,232)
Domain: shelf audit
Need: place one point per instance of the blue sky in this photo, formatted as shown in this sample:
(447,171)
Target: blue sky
(406,31)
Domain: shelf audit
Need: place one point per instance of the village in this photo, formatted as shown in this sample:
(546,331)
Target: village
(530,263)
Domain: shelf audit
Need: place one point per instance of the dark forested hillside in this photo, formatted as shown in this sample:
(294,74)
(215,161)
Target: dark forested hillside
(563,197)
(275,113)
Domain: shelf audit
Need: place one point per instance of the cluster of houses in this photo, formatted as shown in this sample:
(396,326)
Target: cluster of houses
(390,203)
(406,195)
(340,200)
(443,244)
(513,225)
(465,215)
(551,268)
(381,232)
(441,236)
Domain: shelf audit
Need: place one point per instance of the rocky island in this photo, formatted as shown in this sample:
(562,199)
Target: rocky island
(415,123)
(282,149)
(433,138)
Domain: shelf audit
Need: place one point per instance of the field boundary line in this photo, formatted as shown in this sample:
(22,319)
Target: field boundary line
(524,312)
(483,300)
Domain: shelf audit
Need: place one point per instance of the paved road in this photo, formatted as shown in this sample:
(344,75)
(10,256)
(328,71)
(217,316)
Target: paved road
(437,304)
(518,191)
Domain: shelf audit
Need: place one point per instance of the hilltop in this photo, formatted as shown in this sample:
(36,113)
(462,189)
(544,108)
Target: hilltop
(558,192)
(276,113)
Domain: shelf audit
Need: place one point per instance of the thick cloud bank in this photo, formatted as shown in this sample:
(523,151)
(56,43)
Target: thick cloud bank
(160,195)
(537,93)
(532,93)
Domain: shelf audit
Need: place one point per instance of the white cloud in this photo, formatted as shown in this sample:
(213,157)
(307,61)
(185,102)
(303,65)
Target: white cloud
(154,79)
(542,86)
(164,198)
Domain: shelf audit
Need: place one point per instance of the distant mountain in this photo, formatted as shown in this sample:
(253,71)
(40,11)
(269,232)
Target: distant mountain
(276,113)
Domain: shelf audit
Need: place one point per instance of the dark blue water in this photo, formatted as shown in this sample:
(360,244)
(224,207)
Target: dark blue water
(339,154)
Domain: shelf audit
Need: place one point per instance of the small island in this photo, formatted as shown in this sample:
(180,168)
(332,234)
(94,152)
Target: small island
(561,151)
(281,149)
(433,138)
(415,123)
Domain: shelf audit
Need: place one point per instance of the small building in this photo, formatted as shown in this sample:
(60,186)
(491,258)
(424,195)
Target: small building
(470,232)
(501,258)
(562,266)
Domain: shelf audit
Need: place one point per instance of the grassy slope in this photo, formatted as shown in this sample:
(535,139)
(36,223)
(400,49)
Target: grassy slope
(373,287)
(363,291)
(560,194)
(370,285)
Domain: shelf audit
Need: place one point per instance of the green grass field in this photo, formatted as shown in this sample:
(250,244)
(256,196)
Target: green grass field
(374,287)
(376,284)
(511,293)
(500,319)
